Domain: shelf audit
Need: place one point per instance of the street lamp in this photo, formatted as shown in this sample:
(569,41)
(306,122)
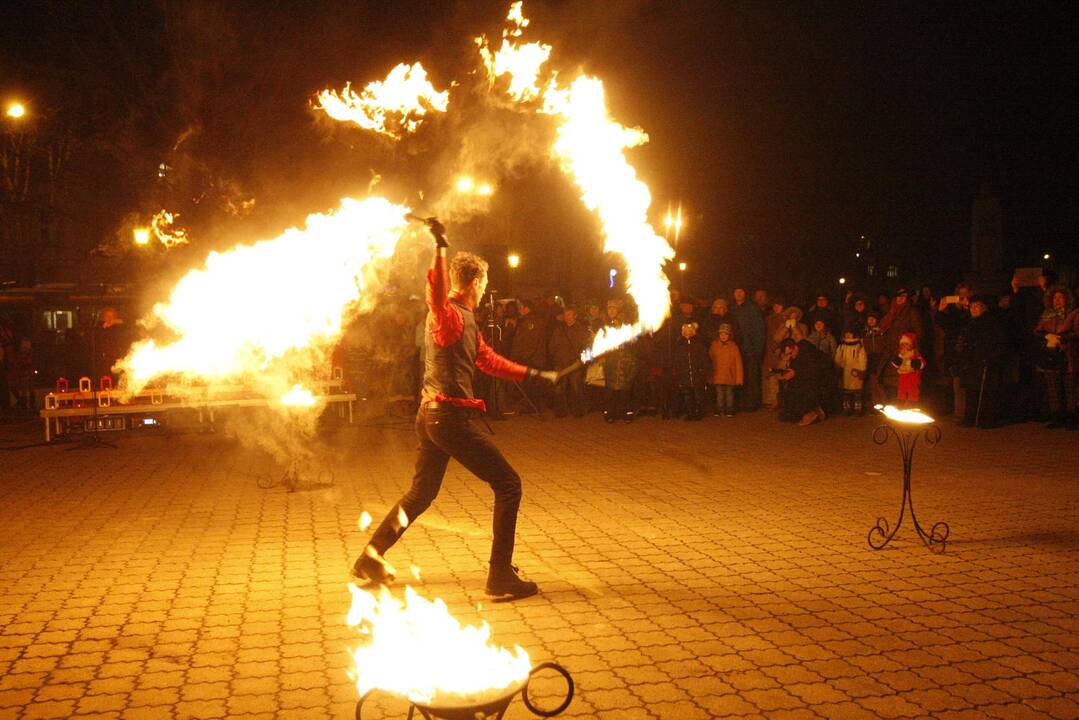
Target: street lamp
(842,281)
(141,235)
(16,110)
(682,266)
(1046,256)
(513,260)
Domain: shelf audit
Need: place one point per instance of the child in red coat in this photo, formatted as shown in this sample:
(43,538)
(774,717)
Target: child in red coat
(909,363)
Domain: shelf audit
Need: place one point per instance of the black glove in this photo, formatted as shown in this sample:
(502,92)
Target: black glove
(438,230)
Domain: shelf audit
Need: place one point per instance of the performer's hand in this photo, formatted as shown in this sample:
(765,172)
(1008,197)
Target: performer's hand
(550,376)
(438,230)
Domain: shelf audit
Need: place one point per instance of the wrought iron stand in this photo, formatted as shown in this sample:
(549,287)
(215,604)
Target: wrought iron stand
(493,709)
(907,437)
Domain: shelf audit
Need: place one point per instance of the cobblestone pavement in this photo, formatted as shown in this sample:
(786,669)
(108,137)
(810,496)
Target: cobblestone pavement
(688,570)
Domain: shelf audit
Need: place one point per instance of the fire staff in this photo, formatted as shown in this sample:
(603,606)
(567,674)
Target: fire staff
(455,349)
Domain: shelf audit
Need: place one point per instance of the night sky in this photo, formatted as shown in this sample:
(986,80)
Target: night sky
(787,130)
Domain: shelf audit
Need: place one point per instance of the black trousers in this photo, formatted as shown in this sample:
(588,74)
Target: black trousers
(750,391)
(444,433)
(982,387)
(569,395)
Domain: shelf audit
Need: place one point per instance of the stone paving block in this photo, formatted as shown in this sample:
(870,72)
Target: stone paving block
(205,596)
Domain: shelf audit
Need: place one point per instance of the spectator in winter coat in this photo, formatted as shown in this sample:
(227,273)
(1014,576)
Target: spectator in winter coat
(727,369)
(851,360)
(908,364)
(901,318)
(529,348)
(791,328)
(854,316)
(953,314)
(822,310)
(619,372)
(1057,358)
(822,338)
(530,339)
(593,319)
(721,315)
(760,299)
(568,339)
(772,359)
(874,343)
(750,319)
(809,383)
(691,370)
(981,346)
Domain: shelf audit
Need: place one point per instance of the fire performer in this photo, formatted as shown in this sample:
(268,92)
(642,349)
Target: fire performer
(454,349)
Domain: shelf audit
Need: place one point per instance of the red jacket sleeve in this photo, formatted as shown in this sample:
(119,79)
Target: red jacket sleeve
(490,362)
(445,322)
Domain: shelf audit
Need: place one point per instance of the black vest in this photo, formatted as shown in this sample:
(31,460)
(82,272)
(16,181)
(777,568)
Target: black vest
(448,370)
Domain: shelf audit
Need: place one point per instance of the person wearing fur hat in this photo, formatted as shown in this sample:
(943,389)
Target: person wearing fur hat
(728,371)
(786,324)
(1057,358)
(908,364)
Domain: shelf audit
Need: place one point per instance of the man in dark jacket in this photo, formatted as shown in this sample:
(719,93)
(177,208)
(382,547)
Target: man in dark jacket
(952,317)
(529,347)
(809,383)
(568,338)
(981,347)
(751,320)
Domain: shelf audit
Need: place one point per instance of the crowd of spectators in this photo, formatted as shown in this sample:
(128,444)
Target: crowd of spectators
(985,360)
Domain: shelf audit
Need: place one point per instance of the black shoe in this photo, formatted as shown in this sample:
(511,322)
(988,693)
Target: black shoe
(730,414)
(372,570)
(609,419)
(504,585)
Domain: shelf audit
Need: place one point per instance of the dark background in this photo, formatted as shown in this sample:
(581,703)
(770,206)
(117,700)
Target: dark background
(786,130)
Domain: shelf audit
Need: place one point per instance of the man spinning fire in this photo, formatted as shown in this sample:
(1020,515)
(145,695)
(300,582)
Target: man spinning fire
(455,348)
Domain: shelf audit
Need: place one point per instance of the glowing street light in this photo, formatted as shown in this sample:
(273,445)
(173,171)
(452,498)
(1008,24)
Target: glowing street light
(1046,256)
(465,184)
(141,235)
(842,281)
(682,266)
(16,110)
(513,260)
(485,190)
(674,222)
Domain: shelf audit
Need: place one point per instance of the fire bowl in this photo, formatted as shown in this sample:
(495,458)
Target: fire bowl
(492,708)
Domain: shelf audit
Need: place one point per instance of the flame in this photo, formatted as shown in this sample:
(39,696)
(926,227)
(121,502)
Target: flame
(232,320)
(402,100)
(298,396)
(162,226)
(417,650)
(914,417)
(590,147)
